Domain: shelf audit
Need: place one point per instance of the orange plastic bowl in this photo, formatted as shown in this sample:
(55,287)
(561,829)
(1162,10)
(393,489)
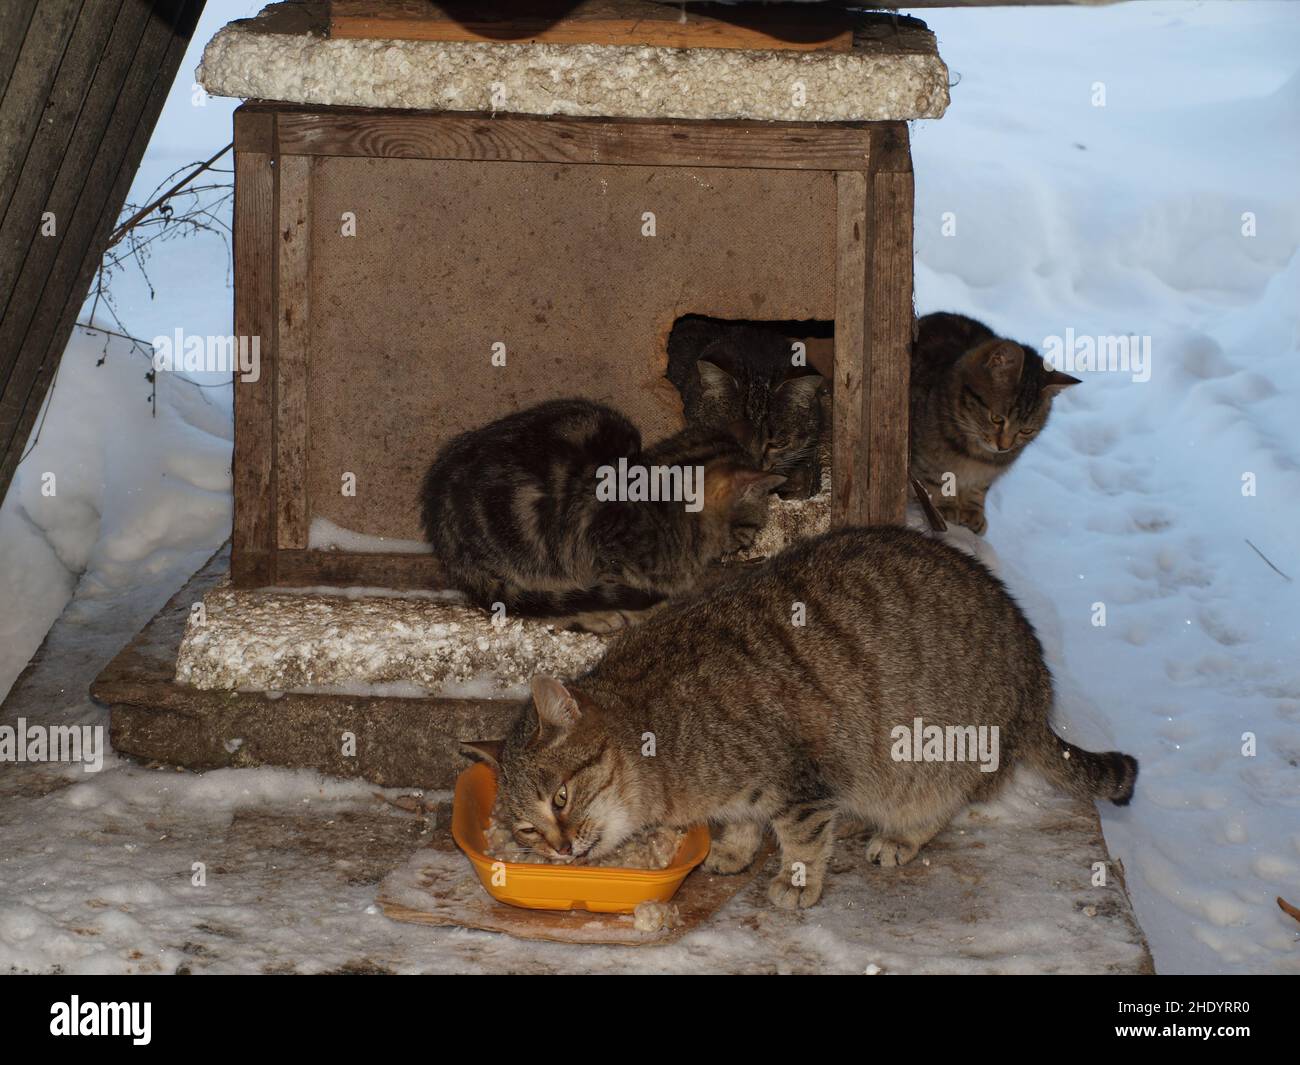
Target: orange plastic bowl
(560,887)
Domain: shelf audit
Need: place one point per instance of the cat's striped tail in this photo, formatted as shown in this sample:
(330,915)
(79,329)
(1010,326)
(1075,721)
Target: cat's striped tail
(1086,774)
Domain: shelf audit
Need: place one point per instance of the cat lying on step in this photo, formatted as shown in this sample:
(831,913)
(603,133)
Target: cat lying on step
(792,696)
(515,513)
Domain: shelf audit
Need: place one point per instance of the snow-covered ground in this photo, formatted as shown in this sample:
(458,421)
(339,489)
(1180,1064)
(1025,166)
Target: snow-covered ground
(138,500)
(110,501)
(1124,219)
(1128,219)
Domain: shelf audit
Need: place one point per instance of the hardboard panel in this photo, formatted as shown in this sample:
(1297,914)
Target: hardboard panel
(450,258)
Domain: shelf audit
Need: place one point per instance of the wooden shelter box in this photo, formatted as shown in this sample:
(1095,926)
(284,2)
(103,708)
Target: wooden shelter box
(409,275)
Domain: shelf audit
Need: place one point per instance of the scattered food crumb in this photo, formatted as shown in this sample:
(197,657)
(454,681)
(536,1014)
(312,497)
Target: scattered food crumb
(656,917)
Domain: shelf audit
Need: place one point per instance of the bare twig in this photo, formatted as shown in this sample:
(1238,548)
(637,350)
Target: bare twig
(145,348)
(1288,908)
(1265,558)
(145,211)
(197,216)
(143,345)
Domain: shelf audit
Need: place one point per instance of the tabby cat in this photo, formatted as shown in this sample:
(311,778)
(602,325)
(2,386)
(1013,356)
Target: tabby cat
(739,377)
(512,511)
(977,400)
(761,712)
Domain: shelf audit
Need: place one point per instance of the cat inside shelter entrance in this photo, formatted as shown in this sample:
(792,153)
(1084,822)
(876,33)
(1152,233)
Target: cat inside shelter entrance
(766,381)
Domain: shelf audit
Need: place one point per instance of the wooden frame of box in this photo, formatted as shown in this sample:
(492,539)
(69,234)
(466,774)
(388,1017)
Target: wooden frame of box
(293,290)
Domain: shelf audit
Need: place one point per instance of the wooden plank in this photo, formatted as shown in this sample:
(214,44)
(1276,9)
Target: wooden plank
(319,568)
(607,22)
(890,317)
(849,441)
(311,568)
(121,88)
(891,149)
(527,138)
(412,743)
(253,534)
(38,54)
(911,4)
(15,17)
(43,120)
(254,129)
(293,318)
(454,897)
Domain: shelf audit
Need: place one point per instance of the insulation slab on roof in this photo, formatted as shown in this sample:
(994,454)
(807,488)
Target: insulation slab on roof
(371,644)
(893,72)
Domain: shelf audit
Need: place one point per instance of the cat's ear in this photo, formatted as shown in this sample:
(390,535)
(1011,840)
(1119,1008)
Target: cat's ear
(488,751)
(802,390)
(556,707)
(714,380)
(1058,382)
(1004,361)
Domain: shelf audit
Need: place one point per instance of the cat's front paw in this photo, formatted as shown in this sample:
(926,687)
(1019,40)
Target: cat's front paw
(890,852)
(727,862)
(948,509)
(743,537)
(787,894)
(973,519)
(733,849)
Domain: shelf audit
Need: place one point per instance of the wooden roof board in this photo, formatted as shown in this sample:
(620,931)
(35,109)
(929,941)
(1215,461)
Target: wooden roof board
(613,22)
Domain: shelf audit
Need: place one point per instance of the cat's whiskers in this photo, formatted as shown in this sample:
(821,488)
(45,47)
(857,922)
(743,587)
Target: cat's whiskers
(792,458)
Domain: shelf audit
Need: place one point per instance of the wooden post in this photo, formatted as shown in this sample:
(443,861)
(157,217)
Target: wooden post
(850,455)
(292,315)
(83,83)
(873,333)
(253,537)
(890,317)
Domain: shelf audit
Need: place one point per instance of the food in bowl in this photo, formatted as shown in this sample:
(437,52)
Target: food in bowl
(548,886)
(653,849)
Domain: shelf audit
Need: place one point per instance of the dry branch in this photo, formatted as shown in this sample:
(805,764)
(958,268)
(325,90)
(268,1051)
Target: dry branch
(125,227)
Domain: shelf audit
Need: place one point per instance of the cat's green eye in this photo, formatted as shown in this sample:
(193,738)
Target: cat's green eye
(561,797)
(526,830)
(997,419)
(1026,432)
